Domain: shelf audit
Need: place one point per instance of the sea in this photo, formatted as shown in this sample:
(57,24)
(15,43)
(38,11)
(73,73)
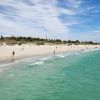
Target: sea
(65,76)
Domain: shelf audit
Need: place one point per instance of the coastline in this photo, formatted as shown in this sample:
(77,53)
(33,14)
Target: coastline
(33,51)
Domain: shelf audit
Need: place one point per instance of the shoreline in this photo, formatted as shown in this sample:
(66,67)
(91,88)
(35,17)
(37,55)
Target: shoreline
(34,51)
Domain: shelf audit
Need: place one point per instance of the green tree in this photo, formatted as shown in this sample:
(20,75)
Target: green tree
(77,41)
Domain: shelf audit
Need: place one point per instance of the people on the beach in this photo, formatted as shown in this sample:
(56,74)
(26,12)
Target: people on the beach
(54,51)
(13,53)
(21,49)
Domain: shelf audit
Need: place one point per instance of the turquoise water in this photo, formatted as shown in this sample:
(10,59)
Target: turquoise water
(69,76)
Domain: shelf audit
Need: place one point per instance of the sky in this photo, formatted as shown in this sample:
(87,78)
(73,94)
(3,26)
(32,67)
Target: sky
(57,19)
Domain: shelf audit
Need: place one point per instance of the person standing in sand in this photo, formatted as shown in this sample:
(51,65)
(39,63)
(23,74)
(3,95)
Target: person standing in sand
(13,53)
(22,49)
(54,52)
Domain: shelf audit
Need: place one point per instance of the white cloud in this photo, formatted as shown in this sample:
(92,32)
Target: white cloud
(67,11)
(75,3)
(39,18)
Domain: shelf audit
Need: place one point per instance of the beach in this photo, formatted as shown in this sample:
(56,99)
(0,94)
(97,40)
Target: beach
(30,50)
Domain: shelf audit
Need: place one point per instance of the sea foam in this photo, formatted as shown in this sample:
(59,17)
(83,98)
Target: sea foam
(38,63)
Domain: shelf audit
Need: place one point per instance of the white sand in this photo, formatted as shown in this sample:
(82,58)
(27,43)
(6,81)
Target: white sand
(34,50)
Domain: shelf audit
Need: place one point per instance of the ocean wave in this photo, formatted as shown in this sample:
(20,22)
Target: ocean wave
(90,50)
(46,58)
(8,64)
(76,53)
(38,63)
(61,56)
(67,54)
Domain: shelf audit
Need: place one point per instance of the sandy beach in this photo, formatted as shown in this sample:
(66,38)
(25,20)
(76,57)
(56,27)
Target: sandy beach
(29,50)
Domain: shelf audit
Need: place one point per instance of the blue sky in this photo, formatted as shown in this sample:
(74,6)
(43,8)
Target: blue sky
(64,19)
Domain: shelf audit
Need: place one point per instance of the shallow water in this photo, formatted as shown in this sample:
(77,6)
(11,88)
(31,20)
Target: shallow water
(68,76)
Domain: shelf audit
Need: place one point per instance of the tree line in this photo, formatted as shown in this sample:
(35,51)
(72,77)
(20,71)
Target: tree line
(40,41)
